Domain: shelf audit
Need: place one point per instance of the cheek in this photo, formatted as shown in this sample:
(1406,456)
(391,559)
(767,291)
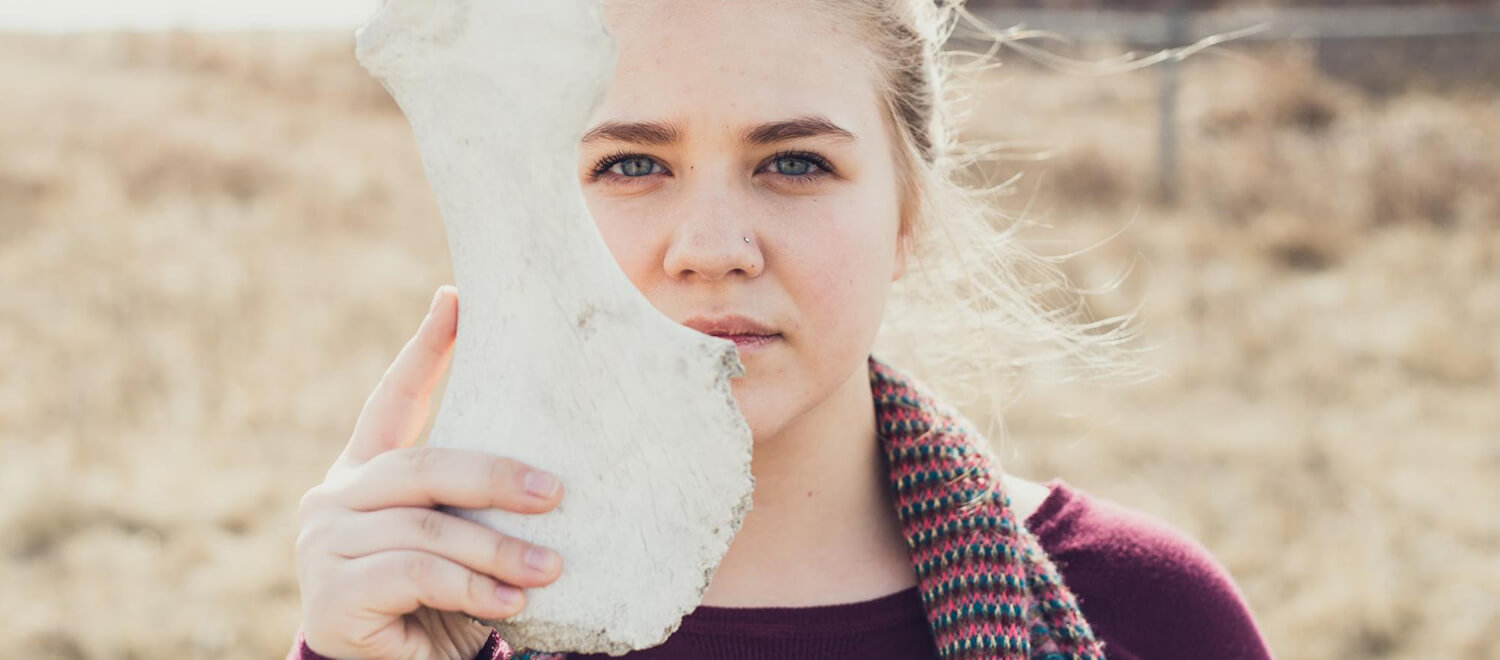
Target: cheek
(837,263)
(619,225)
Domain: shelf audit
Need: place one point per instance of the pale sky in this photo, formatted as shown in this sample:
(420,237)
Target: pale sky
(90,15)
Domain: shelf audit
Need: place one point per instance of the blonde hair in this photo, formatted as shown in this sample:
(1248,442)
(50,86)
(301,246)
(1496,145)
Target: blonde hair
(978,314)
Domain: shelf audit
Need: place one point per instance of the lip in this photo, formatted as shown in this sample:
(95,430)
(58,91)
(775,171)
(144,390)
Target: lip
(724,326)
(744,331)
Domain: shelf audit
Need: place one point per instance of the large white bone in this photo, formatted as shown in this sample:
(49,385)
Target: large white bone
(560,362)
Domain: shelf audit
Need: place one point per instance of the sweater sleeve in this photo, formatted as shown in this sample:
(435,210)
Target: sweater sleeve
(494,649)
(1149,590)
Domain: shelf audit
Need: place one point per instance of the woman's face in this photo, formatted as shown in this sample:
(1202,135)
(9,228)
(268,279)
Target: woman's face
(728,120)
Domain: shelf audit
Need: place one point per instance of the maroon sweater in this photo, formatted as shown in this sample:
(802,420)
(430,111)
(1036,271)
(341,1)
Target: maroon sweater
(1148,591)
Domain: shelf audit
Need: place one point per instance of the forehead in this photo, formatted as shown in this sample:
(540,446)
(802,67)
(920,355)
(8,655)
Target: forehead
(720,65)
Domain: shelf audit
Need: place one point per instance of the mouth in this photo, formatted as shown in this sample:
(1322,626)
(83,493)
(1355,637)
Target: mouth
(746,332)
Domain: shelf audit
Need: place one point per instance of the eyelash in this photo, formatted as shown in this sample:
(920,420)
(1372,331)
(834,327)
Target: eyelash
(600,170)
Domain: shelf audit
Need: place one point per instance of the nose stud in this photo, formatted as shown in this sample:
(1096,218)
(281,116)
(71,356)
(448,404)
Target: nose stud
(747,239)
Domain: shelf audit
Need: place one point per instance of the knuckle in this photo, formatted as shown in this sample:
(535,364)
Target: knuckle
(398,386)
(432,523)
(422,571)
(407,394)
(419,568)
(311,501)
(506,553)
(422,461)
(507,605)
(479,589)
(433,351)
(503,471)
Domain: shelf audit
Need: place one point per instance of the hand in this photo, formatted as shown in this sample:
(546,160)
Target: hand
(384,574)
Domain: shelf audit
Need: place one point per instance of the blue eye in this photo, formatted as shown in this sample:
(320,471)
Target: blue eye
(801,168)
(635,166)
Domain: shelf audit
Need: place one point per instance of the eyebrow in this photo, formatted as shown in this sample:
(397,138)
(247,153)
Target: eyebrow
(665,133)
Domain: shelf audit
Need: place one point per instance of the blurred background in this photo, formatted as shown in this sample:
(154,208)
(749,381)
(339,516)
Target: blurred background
(215,233)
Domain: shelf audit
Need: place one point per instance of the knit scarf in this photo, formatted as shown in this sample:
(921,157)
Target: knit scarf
(988,588)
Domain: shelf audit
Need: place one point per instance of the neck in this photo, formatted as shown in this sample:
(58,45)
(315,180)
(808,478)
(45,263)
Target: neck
(823,528)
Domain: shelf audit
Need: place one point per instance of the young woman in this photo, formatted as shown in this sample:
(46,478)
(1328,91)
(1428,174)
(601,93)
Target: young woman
(776,166)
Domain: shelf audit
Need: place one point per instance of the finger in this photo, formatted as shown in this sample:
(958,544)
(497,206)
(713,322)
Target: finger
(401,581)
(443,476)
(396,410)
(474,546)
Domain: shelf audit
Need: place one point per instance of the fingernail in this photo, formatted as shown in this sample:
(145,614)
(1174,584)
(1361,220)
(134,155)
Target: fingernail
(540,483)
(508,594)
(538,559)
(436,296)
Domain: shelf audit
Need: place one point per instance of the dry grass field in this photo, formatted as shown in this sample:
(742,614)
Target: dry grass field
(211,247)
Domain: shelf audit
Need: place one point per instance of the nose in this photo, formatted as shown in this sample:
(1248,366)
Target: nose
(714,238)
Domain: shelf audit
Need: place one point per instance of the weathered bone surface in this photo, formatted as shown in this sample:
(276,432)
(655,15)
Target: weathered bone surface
(560,362)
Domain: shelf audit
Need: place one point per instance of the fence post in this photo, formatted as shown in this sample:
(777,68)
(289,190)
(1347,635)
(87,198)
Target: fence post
(1167,177)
